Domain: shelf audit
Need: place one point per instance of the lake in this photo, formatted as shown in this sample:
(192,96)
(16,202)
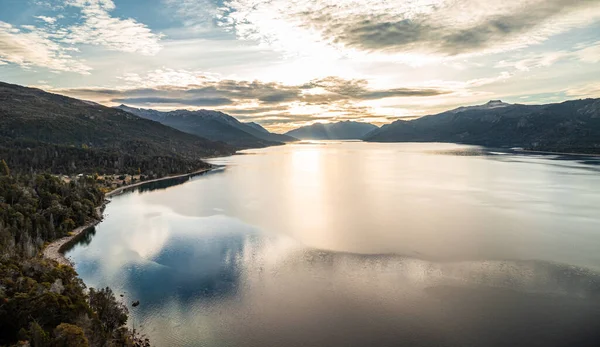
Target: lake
(359,244)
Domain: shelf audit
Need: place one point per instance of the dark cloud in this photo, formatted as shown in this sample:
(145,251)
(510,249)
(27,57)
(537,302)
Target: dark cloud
(271,101)
(99,92)
(400,92)
(175,101)
(369,34)
(228,92)
(434,32)
(255,90)
(255,110)
(357,89)
(277,98)
(285,118)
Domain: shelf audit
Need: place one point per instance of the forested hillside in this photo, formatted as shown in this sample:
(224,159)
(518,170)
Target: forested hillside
(35,157)
(40,301)
(41,131)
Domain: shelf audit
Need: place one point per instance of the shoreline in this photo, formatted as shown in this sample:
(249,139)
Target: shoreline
(55,250)
(557,153)
(137,184)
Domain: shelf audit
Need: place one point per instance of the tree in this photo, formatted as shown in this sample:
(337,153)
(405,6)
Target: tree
(112,314)
(42,303)
(37,335)
(4,170)
(70,335)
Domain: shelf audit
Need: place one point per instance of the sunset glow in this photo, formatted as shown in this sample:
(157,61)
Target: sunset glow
(287,63)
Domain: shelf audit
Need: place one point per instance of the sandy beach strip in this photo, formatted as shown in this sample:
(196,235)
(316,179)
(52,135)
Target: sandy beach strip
(56,249)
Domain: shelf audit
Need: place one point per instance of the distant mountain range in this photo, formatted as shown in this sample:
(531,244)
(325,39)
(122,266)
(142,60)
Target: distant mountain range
(213,125)
(347,130)
(40,131)
(571,126)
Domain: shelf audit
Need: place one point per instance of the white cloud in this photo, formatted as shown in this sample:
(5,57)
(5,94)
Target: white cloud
(591,90)
(100,28)
(588,53)
(535,61)
(107,5)
(434,27)
(49,20)
(194,12)
(51,45)
(34,47)
(479,82)
(168,77)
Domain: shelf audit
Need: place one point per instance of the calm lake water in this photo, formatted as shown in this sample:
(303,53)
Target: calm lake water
(359,244)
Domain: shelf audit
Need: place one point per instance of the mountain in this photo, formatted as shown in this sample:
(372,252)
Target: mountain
(571,126)
(43,131)
(260,132)
(257,127)
(212,125)
(347,130)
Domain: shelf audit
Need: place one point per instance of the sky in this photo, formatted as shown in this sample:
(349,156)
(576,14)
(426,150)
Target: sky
(288,63)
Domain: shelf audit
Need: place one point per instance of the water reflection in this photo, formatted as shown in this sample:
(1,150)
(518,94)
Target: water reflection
(355,244)
(167,183)
(85,238)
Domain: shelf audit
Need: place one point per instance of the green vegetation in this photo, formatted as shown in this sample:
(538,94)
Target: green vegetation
(4,170)
(40,301)
(32,157)
(44,132)
(37,209)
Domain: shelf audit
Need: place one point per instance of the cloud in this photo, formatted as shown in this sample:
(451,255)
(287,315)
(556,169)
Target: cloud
(358,89)
(440,27)
(591,90)
(52,45)
(49,20)
(287,118)
(151,101)
(534,61)
(479,82)
(194,12)
(34,47)
(588,53)
(168,77)
(221,92)
(245,110)
(101,29)
(330,98)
